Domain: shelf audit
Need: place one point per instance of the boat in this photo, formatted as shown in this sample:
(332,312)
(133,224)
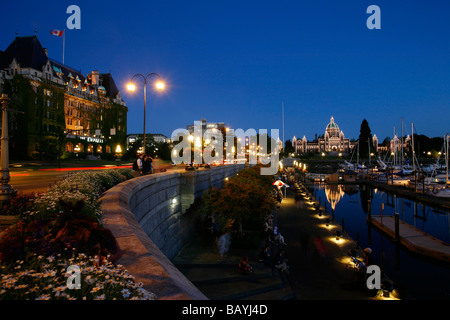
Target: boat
(440,192)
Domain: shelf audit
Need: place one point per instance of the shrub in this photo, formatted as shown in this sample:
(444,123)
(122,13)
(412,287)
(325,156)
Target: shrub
(34,252)
(45,278)
(246,199)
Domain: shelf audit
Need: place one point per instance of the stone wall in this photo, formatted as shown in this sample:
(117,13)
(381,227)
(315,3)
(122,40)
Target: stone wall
(147,217)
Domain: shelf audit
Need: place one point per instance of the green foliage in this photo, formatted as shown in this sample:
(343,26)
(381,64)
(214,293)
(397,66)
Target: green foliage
(245,199)
(63,228)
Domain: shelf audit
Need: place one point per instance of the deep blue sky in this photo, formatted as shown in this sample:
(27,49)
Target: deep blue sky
(236,61)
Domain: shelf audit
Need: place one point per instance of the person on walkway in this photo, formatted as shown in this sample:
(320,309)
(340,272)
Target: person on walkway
(265,257)
(268,229)
(223,243)
(277,237)
(150,164)
(137,165)
(281,263)
(244,267)
(147,165)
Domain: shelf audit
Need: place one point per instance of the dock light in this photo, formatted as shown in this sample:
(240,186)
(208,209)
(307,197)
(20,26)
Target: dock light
(338,235)
(327,222)
(352,253)
(387,287)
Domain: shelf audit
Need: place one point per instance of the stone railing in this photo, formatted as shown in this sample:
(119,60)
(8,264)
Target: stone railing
(147,217)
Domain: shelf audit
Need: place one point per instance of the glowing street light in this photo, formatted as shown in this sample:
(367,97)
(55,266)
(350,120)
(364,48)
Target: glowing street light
(131,87)
(160,85)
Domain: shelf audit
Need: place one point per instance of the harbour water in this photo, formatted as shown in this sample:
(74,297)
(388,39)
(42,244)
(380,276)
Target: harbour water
(422,277)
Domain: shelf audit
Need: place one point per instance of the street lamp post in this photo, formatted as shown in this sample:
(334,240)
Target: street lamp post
(6,191)
(132,87)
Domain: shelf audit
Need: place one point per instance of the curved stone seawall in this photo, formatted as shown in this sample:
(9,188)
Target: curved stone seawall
(147,217)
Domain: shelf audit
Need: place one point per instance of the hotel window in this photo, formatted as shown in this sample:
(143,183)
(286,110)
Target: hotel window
(69,147)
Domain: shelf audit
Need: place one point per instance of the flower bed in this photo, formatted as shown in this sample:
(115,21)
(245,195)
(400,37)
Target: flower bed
(36,252)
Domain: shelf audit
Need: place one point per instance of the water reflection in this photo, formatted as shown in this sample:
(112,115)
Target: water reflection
(334,193)
(424,277)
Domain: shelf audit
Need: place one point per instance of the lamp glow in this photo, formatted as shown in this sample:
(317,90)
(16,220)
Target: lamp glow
(160,85)
(131,87)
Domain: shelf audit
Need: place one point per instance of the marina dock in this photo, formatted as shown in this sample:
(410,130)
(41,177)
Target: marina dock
(443,203)
(412,238)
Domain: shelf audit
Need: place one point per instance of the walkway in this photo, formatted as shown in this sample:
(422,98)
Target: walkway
(320,268)
(220,280)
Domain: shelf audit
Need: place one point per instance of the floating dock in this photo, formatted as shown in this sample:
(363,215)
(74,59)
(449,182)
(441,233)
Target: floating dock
(412,238)
(443,203)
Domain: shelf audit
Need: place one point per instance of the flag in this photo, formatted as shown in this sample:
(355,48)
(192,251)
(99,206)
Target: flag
(58,33)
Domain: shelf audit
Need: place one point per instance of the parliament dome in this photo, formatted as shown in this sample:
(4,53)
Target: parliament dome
(332,128)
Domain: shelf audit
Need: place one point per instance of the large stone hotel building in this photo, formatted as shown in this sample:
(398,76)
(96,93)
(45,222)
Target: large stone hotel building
(59,109)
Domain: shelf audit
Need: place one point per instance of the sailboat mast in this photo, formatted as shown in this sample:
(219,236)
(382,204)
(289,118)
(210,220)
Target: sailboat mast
(282,116)
(412,143)
(395,148)
(402,146)
(446,158)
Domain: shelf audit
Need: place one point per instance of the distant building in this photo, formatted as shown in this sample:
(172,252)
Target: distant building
(157,137)
(61,108)
(207,125)
(333,140)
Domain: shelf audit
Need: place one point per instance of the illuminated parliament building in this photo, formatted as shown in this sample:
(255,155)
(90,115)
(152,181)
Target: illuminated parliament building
(333,140)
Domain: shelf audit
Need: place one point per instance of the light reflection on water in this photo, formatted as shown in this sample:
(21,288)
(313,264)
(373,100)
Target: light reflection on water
(350,204)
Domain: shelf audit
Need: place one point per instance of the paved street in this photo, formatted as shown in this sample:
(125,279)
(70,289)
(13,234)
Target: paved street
(28,178)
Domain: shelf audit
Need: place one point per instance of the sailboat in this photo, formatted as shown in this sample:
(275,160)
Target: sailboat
(440,190)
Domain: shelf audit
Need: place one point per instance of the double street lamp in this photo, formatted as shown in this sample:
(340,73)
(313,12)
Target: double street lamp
(159,85)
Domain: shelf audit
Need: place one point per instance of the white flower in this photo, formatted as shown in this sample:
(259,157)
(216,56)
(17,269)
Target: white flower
(125,293)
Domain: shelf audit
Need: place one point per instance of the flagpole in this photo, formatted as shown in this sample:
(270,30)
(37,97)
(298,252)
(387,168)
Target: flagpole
(64,43)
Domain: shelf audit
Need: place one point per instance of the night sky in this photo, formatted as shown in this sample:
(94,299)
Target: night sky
(238,61)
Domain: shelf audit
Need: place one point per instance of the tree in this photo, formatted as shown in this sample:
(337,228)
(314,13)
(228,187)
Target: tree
(288,148)
(365,139)
(245,199)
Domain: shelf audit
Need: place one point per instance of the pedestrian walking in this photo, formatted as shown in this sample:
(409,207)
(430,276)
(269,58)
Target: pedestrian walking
(137,165)
(223,244)
(147,165)
(265,257)
(281,263)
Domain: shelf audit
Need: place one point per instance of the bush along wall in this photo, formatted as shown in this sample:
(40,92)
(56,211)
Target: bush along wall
(244,202)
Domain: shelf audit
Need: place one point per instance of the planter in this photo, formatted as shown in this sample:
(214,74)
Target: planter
(6,221)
